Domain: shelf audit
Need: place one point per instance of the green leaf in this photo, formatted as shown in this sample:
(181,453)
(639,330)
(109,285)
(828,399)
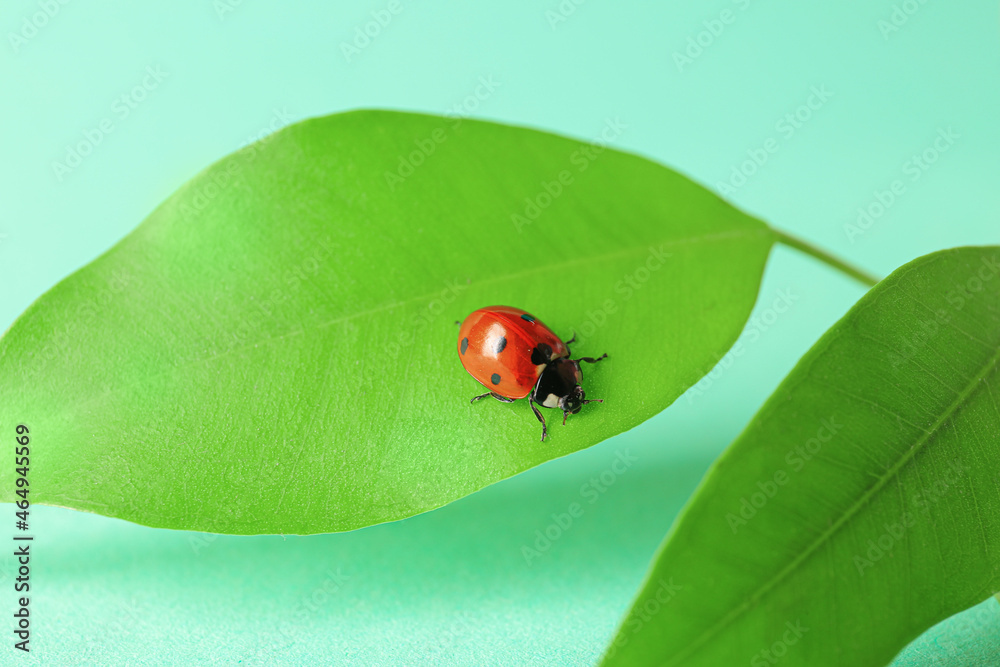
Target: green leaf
(860,506)
(274,348)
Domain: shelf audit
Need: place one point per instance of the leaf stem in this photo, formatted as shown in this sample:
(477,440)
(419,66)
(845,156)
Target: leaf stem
(826,258)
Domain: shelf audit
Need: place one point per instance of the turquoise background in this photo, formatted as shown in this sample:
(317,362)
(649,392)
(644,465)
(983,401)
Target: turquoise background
(451,586)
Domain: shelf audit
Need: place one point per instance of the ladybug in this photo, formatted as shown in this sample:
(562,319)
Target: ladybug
(514,355)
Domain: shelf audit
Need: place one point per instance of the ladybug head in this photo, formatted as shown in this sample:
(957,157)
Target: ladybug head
(572,402)
(559,387)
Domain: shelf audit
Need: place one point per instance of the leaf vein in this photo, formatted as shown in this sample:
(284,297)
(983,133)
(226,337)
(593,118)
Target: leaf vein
(910,454)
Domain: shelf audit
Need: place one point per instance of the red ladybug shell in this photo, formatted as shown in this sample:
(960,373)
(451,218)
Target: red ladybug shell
(505,348)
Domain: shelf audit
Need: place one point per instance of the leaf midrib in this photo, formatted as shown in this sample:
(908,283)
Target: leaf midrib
(707,238)
(967,391)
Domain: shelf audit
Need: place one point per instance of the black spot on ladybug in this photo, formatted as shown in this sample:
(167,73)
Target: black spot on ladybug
(495,379)
(501,344)
(527,317)
(542,354)
(465,345)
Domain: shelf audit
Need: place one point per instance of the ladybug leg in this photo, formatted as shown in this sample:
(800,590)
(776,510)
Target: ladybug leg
(540,417)
(568,343)
(591,360)
(502,399)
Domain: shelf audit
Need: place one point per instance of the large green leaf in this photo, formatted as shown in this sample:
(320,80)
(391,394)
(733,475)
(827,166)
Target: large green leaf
(274,348)
(862,503)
